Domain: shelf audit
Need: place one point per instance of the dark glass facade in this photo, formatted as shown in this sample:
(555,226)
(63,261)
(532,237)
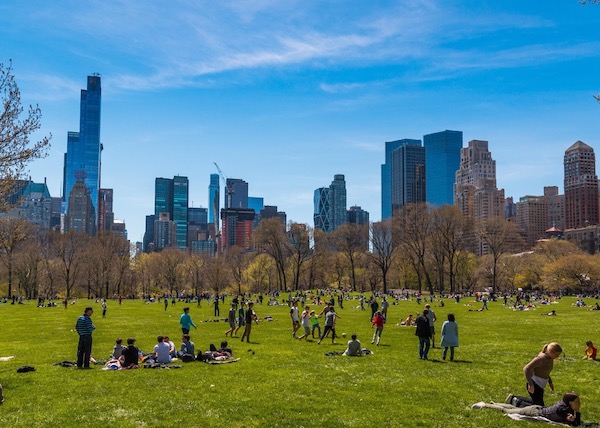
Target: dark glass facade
(442,158)
(82,160)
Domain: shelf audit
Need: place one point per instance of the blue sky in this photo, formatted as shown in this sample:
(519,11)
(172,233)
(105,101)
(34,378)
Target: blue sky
(284,94)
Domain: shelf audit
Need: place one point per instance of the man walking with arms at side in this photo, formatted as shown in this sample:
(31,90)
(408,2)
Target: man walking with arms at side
(186,321)
(84,328)
(423,332)
(432,319)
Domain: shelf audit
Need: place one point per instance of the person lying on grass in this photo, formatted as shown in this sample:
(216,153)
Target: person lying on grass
(565,411)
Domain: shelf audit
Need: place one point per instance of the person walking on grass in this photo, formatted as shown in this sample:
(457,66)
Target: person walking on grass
(295,318)
(84,327)
(250,316)
(449,336)
(241,318)
(314,324)
(231,319)
(305,322)
(423,332)
(378,323)
(537,372)
(432,319)
(185,320)
(330,318)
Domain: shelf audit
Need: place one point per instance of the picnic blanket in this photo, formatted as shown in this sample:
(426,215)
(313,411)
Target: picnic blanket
(517,417)
(229,360)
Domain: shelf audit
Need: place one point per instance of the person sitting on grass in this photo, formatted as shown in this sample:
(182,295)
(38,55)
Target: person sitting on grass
(118,349)
(354,348)
(172,349)
(565,411)
(590,351)
(130,355)
(162,350)
(187,348)
(225,350)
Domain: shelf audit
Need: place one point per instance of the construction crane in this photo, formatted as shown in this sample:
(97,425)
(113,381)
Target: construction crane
(228,189)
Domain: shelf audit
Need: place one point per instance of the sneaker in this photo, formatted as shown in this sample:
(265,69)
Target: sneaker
(509,399)
(479,405)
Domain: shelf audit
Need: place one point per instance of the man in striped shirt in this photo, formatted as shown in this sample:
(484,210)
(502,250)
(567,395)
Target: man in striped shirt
(84,327)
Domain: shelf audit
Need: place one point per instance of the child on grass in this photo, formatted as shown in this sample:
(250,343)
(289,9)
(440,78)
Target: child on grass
(314,323)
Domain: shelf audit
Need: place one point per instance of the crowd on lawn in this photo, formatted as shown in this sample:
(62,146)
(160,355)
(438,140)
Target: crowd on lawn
(308,323)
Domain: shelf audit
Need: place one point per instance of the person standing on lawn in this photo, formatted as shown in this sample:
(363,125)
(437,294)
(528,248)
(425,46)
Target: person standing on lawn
(186,321)
(84,327)
(250,316)
(423,332)
(449,336)
(378,324)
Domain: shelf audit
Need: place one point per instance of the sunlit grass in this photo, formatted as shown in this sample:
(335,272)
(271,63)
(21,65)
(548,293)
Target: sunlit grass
(286,382)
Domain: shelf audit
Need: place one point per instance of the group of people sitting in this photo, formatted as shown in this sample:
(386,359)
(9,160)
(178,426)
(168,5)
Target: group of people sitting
(164,352)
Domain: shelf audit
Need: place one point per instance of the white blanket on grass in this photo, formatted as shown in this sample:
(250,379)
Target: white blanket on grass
(517,417)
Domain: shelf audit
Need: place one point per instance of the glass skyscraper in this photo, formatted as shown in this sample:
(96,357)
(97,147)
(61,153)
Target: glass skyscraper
(386,175)
(442,157)
(180,209)
(214,197)
(82,160)
(330,205)
(171,196)
(408,174)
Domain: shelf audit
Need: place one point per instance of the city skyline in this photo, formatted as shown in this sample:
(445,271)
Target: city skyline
(285,96)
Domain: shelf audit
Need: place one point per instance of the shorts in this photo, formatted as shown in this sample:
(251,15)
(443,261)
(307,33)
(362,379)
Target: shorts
(232,323)
(306,330)
(241,322)
(432,329)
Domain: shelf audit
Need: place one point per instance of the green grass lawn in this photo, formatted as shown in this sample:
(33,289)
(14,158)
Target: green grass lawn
(286,382)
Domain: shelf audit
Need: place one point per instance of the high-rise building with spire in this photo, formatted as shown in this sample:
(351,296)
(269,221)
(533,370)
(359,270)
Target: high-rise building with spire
(82,160)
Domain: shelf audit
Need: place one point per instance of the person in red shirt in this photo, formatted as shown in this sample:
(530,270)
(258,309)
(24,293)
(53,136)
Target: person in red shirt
(378,321)
(590,351)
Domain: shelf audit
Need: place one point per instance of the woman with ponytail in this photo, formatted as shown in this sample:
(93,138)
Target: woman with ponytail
(537,372)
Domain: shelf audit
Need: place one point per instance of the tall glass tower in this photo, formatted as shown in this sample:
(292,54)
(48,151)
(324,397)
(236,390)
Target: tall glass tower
(171,196)
(408,174)
(330,205)
(338,201)
(82,160)
(214,198)
(180,209)
(442,157)
(386,175)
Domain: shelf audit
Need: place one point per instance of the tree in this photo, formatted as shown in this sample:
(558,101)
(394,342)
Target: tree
(497,237)
(350,239)
(170,261)
(382,256)
(450,231)
(16,150)
(270,238)
(68,248)
(13,233)
(411,230)
(237,260)
(578,271)
(299,248)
